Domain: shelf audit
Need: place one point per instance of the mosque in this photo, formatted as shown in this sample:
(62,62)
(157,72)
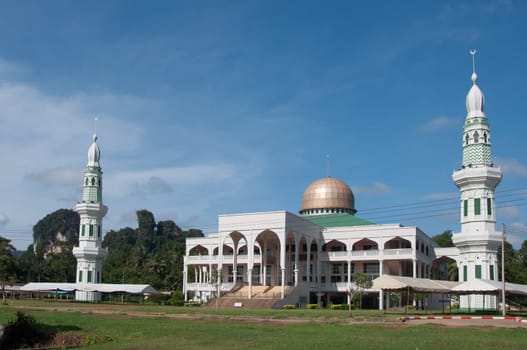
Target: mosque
(312,257)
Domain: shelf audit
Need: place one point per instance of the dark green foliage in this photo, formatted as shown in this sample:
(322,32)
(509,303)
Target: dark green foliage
(7,265)
(158,298)
(444,239)
(152,253)
(23,332)
(515,267)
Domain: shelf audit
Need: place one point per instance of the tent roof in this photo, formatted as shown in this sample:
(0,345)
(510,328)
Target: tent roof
(488,286)
(389,282)
(98,287)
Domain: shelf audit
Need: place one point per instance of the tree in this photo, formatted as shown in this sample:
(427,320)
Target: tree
(444,239)
(361,282)
(7,265)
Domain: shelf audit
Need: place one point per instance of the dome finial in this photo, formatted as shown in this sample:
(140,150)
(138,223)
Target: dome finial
(474,75)
(327,165)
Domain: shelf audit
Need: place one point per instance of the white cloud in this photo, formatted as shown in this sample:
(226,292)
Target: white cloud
(4,219)
(509,212)
(441,195)
(439,123)
(511,166)
(56,177)
(376,188)
(516,233)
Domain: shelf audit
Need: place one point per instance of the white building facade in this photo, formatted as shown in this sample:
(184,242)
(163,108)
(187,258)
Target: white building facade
(307,258)
(312,257)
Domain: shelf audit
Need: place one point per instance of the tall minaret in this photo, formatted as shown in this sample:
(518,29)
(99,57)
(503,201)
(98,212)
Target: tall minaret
(477,179)
(90,253)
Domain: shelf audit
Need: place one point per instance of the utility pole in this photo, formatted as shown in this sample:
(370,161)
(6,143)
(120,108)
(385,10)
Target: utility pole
(503,269)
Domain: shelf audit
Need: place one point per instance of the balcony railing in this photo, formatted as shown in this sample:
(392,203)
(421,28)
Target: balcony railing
(213,259)
(397,252)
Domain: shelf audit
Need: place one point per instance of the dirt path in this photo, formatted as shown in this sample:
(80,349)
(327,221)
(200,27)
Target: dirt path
(125,311)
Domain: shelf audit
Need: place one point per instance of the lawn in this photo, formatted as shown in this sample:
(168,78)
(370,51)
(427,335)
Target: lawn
(219,330)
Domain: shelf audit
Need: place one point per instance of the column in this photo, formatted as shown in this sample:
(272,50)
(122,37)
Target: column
(185,282)
(414,267)
(296,263)
(282,292)
(381,299)
(264,259)
(308,262)
(250,277)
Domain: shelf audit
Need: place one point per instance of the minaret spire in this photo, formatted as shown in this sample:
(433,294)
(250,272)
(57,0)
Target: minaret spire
(477,180)
(91,210)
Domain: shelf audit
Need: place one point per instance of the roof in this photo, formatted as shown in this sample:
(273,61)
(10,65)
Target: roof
(488,286)
(337,220)
(98,287)
(389,282)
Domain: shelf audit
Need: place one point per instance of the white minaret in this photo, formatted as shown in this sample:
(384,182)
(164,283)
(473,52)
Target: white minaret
(477,179)
(90,253)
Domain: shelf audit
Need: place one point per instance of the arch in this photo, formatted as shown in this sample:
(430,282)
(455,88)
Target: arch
(365,244)
(485,137)
(93,181)
(86,181)
(445,268)
(334,246)
(476,137)
(198,250)
(466,139)
(397,243)
(227,250)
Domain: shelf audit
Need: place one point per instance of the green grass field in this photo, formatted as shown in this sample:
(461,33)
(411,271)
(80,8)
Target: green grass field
(225,330)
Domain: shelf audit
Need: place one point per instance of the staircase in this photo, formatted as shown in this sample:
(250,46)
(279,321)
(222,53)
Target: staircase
(262,297)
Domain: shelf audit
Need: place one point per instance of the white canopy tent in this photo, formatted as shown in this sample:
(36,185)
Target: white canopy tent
(389,282)
(99,287)
(489,287)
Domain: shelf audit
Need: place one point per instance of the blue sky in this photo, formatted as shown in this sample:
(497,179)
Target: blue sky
(216,107)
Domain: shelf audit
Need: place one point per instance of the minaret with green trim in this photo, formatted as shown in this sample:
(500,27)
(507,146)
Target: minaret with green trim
(477,180)
(90,253)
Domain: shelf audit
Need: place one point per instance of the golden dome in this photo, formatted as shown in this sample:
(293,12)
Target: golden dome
(327,196)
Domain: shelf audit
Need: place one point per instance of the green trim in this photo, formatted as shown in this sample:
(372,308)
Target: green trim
(491,274)
(489,206)
(478,271)
(477,206)
(465,207)
(465,273)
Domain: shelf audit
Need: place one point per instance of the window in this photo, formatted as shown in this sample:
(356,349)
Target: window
(485,139)
(465,273)
(91,230)
(99,231)
(478,271)
(466,139)
(476,137)
(89,277)
(98,277)
(489,206)
(491,272)
(93,181)
(477,206)
(82,230)
(465,207)
(80,276)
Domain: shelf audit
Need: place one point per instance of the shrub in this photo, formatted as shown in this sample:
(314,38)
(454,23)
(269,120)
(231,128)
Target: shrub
(311,306)
(289,307)
(158,298)
(192,304)
(339,307)
(23,332)
(177,298)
